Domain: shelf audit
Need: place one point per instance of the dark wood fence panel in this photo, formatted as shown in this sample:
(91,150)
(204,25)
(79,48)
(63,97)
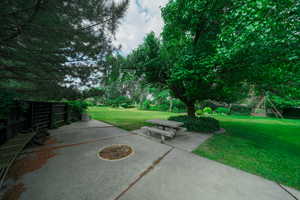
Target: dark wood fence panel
(38,115)
(13,124)
(2,131)
(74,116)
(59,113)
(29,118)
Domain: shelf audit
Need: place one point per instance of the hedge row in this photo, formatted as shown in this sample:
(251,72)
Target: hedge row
(198,124)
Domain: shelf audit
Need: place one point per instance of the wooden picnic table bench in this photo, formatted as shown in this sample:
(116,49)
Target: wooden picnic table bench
(165,128)
(166,123)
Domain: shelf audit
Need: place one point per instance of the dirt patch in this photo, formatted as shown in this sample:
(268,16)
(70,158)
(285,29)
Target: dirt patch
(37,158)
(115,152)
(31,162)
(26,164)
(14,192)
(50,141)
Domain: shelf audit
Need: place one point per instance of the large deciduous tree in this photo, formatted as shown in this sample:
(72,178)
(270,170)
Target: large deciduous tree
(55,44)
(219,49)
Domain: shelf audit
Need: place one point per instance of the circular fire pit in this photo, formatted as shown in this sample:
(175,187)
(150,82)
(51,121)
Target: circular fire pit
(115,152)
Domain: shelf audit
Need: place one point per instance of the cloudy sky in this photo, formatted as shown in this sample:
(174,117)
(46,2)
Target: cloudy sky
(142,17)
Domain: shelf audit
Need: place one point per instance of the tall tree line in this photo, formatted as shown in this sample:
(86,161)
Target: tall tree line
(118,79)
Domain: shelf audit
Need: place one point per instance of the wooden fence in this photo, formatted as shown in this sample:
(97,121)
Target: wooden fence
(36,115)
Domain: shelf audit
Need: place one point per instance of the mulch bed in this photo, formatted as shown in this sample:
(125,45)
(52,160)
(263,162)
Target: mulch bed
(115,152)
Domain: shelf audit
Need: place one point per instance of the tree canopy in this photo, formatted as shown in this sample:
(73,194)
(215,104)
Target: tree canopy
(220,49)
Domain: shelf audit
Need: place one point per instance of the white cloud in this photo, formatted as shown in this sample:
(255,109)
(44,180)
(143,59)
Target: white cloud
(143,16)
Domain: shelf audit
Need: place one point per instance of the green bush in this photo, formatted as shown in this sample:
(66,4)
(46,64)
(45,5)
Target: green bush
(90,103)
(126,105)
(293,113)
(117,102)
(208,103)
(178,106)
(207,110)
(78,106)
(199,112)
(159,107)
(163,105)
(198,124)
(145,105)
(222,110)
(240,110)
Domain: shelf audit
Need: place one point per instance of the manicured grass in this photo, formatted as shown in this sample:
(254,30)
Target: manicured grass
(128,119)
(264,146)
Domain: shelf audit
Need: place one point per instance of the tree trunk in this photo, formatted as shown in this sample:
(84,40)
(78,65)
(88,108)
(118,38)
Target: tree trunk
(191,109)
(171,105)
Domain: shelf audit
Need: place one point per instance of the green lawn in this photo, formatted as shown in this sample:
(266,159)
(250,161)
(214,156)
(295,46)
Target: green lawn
(128,119)
(264,146)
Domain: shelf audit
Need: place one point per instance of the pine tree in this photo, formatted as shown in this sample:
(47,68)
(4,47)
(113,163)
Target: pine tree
(46,46)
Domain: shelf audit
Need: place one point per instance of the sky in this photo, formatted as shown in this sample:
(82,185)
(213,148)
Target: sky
(142,17)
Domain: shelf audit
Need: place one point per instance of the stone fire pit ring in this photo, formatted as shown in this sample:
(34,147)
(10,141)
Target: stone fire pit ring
(115,152)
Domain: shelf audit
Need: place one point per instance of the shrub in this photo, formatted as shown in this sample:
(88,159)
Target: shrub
(160,107)
(222,110)
(178,106)
(145,105)
(208,103)
(198,124)
(293,113)
(199,112)
(116,102)
(90,103)
(126,105)
(240,109)
(207,110)
(78,106)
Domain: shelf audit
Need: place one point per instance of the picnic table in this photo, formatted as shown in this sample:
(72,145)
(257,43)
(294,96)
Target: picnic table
(164,128)
(166,123)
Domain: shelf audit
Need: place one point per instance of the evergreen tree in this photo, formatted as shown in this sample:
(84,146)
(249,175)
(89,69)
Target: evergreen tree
(53,45)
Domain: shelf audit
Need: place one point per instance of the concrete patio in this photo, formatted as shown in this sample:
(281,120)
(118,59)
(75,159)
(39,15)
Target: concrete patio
(187,141)
(155,171)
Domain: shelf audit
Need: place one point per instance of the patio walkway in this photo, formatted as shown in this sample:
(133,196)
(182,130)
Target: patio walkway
(187,141)
(68,168)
